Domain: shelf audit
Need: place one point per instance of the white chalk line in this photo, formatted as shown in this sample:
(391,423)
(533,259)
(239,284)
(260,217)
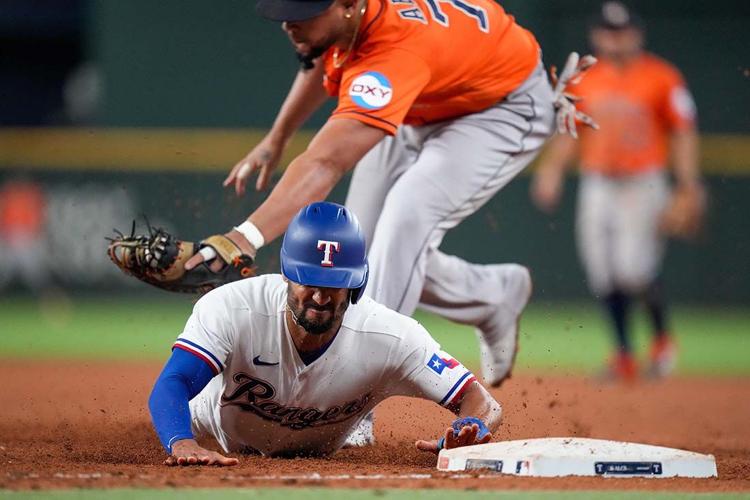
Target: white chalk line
(313,477)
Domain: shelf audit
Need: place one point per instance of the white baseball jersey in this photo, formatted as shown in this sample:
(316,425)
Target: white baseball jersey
(266,399)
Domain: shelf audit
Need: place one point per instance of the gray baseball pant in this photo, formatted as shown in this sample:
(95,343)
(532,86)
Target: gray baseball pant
(413,187)
(617,230)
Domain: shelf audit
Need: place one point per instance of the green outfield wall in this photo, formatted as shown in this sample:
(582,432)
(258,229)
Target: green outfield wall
(84,205)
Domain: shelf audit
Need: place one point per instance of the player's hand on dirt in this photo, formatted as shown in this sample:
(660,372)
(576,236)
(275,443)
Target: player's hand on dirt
(264,158)
(189,452)
(209,254)
(565,103)
(467,436)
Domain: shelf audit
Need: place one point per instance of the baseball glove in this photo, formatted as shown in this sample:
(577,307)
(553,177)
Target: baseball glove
(158,258)
(683,217)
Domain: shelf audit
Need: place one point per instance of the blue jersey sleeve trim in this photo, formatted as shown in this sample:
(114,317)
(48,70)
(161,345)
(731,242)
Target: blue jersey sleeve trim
(183,377)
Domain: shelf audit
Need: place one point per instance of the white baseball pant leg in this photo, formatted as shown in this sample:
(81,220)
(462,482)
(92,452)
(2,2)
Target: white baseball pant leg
(617,229)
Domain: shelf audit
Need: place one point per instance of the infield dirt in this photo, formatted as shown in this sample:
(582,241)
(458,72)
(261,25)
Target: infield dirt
(82,424)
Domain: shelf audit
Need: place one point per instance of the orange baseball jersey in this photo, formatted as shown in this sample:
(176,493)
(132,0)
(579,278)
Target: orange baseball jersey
(22,209)
(422,61)
(636,107)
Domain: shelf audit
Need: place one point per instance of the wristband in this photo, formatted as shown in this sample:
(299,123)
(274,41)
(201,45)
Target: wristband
(459,424)
(208,253)
(251,233)
(441,444)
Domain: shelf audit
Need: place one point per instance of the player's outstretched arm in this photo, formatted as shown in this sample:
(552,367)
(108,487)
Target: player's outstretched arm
(189,452)
(304,98)
(479,416)
(183,377)
(335,150)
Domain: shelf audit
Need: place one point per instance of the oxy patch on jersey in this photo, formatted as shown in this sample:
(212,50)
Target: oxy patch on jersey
(371,90)
(256,395)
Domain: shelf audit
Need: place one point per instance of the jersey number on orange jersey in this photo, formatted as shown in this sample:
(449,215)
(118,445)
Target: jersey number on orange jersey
(415,13)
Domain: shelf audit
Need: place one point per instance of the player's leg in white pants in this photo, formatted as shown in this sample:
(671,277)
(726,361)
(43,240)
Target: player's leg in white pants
(371,181)
(457,166)
(595,218)
(619,241)
(501,293)
(376,173)
(596,229)
(639,245)
(617,230)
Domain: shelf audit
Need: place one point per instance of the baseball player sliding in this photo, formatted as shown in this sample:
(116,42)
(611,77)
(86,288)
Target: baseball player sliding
(644,109)
(288,365)
(433,139)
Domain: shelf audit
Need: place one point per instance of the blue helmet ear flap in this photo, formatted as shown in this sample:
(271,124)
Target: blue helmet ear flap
(357,292)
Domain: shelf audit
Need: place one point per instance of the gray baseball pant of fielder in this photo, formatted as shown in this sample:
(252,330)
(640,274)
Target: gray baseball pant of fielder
(410,189)
(617,230)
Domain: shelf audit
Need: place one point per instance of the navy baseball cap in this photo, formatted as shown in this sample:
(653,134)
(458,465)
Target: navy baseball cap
(291,10)
(616,16)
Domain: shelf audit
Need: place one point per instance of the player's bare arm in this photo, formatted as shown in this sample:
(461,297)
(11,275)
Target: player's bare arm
(683,217)
(189,452)
(685,157)
(546,187)
(311,37)
(335,150)
(305,97)
(479,416)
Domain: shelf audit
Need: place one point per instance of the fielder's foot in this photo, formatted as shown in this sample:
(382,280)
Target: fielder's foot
(363,435)
(498,335)
(622,367)
(663,357)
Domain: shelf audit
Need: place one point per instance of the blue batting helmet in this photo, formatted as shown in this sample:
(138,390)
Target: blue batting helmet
(324,246)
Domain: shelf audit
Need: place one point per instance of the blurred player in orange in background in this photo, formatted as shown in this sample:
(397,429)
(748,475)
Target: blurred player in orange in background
(644,109)
(22,219)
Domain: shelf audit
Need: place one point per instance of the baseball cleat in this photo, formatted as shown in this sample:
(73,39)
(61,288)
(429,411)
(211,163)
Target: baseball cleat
(498,335)
(622,367)
(363,435)
(663,357)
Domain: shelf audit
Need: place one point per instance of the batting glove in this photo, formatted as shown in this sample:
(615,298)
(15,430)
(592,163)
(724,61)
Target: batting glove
(565,103)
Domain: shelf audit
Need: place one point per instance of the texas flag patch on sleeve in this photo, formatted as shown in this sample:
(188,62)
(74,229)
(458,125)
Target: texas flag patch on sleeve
(440,361)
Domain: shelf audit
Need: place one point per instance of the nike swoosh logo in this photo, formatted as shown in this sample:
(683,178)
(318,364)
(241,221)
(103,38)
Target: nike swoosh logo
(257,361)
